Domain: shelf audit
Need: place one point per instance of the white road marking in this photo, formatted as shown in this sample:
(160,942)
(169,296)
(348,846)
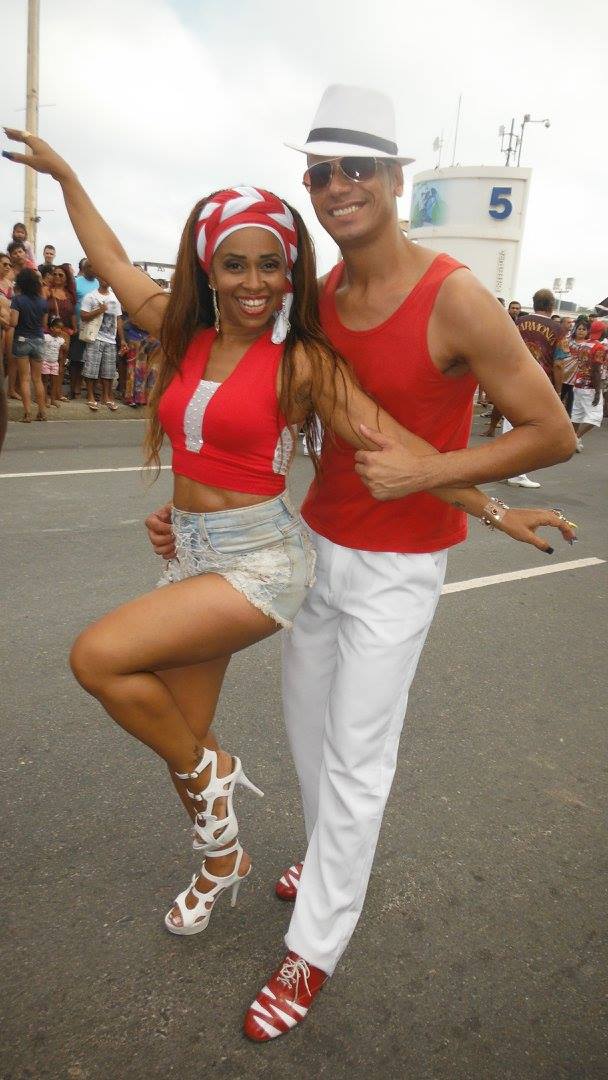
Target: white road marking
(74,472)
(516,575)
(452,587)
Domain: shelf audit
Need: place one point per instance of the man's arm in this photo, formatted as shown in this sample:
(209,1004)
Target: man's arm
(468,326)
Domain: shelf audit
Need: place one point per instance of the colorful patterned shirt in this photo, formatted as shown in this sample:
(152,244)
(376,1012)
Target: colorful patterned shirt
(545,338)
(590,355)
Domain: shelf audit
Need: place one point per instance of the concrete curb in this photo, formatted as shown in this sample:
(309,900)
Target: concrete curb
(79,410)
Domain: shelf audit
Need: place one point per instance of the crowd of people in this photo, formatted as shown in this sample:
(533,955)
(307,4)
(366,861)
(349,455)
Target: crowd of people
(66,334)
(573,353)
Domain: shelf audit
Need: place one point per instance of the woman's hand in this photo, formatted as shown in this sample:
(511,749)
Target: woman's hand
(522,524)
(160,532)
(42,158)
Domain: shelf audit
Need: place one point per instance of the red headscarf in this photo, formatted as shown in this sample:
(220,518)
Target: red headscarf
(240,207)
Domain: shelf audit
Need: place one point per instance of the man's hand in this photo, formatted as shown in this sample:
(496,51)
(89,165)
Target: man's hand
(160,532)
(391,471)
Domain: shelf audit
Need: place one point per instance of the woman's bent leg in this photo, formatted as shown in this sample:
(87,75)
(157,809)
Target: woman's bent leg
(190,622)
(196,690)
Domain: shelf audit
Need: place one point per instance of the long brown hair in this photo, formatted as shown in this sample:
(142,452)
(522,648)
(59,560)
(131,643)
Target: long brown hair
(190,309)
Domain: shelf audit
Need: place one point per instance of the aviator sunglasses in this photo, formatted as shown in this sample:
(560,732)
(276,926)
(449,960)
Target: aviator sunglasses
(358,169)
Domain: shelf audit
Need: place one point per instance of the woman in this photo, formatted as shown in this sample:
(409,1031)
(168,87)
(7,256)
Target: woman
(565,370)
(243,364)
(587,406)
(6,336)
(62,302)
(140,373)
(28,319)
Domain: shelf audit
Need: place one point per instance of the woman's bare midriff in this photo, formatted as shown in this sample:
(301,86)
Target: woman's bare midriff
(197,498)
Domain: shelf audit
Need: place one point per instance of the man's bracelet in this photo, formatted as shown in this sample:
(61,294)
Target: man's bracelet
(493,512)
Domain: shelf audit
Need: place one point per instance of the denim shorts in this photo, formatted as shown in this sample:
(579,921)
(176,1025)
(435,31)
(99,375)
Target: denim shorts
(28,346)
(262,550)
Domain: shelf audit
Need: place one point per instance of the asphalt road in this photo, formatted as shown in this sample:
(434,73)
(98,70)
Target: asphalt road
(481,952)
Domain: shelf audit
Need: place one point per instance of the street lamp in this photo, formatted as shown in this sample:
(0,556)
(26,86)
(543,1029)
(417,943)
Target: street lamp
(510,143)
(528,120)
(561,290)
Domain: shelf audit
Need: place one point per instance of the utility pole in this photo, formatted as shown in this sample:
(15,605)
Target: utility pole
(30,211)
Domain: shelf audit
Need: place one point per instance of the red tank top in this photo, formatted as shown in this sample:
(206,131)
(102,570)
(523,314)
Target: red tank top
(229,435)
(393,364)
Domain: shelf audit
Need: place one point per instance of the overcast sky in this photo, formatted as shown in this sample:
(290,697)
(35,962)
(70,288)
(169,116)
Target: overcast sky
(157,102)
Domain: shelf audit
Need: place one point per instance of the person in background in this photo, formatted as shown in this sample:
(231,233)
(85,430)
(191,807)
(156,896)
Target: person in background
(19,235)
(100,355)
(567,324)
(18,256)
(48,258)
(53,346)
(8,362)
(587,404)
(28,318)
(85,282)
(140,373)
(548,344)
(62,302)
(564,370)
(513,311)
(46,278)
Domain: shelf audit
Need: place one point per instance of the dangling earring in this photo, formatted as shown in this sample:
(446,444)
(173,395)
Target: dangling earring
(215,307)
(282,324)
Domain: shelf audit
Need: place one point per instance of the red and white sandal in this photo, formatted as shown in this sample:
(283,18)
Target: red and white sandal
(286,887)
(285,999)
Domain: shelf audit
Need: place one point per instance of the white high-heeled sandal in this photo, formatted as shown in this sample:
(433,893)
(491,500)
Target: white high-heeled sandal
(196,919)
(211,832)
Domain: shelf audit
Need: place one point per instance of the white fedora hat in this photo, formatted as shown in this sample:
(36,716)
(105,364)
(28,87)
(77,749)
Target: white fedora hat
(352,120)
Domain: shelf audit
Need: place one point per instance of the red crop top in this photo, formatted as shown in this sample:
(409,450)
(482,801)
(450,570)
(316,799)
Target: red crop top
(232,434)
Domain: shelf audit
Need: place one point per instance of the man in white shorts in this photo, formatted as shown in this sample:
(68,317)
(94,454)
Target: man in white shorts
(101,306)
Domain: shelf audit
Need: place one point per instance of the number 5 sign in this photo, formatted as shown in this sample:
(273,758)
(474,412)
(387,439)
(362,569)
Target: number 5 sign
(501,206)
(475,214)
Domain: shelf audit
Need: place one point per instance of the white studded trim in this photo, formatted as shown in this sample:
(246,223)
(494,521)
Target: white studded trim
(195,411)
(283,451)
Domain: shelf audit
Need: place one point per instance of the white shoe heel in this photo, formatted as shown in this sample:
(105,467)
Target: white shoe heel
(244,781)
(235,891)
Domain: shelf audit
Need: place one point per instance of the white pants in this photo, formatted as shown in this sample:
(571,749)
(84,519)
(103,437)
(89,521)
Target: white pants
(348,664)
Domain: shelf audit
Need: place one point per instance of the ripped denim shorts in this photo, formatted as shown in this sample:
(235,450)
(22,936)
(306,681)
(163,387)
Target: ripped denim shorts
(262,550)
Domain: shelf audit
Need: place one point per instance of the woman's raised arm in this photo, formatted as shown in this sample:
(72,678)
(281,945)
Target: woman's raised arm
(142,298)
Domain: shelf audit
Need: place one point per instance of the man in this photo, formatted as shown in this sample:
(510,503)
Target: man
(547,341)
(545,338)
(421,332)
(100,354)
(86,282)
(514,310)
(18,256)
(48,257)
